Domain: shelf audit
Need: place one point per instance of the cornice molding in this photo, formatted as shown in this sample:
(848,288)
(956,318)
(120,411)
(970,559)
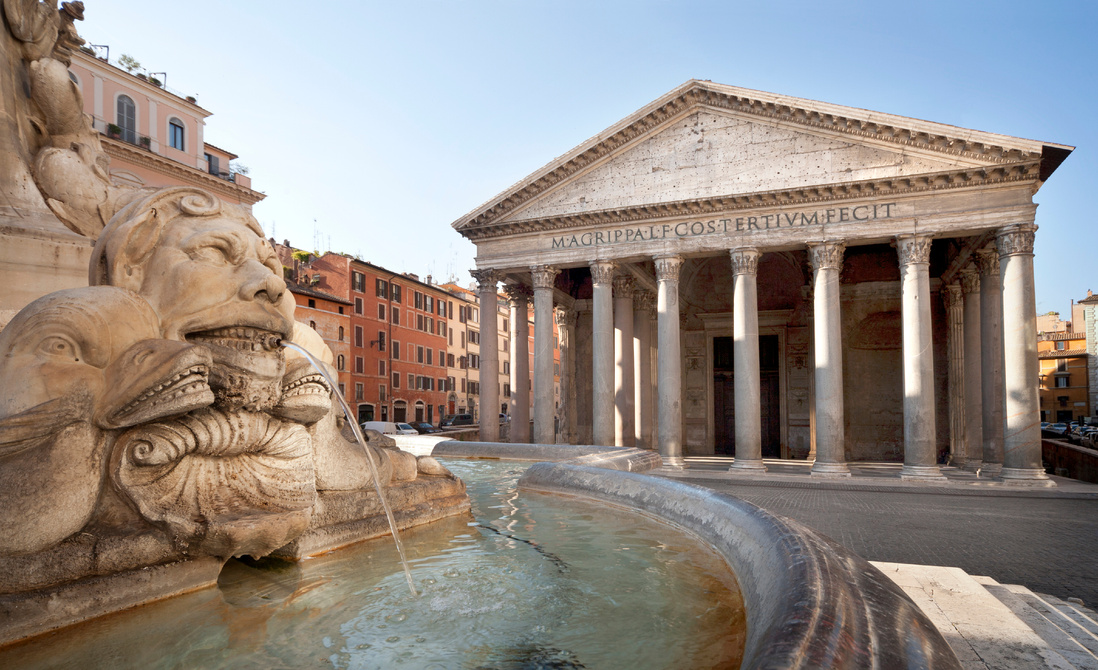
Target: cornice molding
(700,95)
(1026,171)
(193,176)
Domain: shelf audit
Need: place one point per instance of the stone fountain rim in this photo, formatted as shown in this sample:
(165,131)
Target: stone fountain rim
(802,585)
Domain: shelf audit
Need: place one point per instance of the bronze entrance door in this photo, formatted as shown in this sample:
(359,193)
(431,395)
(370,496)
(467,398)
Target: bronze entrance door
(724,412)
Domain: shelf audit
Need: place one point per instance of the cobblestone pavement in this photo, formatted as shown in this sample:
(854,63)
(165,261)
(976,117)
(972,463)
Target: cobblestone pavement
(1049,545)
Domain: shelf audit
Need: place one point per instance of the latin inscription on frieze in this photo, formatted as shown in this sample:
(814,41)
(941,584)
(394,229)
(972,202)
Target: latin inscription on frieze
(722,226)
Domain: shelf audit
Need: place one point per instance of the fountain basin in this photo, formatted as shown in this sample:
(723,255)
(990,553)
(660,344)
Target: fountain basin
(810,602)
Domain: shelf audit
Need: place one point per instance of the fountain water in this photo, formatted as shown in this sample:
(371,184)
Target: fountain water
(369,456)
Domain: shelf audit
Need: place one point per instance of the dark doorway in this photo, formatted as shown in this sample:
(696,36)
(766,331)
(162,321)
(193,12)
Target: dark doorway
(724,397)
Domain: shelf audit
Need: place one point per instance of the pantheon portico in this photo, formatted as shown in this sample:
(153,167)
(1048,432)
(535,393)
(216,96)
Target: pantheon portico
(743,273)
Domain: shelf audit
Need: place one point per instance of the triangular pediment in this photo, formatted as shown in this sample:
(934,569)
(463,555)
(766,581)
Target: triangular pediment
(706,141)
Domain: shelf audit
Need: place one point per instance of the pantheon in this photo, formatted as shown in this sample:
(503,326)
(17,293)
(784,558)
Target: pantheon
(750,274)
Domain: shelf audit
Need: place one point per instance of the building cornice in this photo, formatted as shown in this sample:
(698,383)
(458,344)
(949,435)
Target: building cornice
(176,170)
(1021,171)
(904,133)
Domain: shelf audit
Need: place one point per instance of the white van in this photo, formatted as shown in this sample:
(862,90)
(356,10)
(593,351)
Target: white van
(389,428)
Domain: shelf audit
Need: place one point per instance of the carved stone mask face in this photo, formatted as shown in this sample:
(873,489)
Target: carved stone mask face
(214,282)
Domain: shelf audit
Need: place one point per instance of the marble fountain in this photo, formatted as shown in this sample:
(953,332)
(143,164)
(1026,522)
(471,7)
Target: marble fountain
(153,429)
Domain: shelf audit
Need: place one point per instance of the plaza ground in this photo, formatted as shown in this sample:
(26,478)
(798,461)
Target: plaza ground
(1044,539)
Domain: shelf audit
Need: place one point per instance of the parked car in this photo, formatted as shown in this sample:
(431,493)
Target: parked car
(1058,428)
(424,428)
(389,428)
(406,429)
(457,420)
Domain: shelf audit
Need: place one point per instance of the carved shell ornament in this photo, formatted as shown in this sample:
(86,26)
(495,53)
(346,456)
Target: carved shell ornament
(209,477)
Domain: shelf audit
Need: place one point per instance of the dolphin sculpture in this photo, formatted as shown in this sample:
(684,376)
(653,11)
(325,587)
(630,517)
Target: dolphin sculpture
(80,365)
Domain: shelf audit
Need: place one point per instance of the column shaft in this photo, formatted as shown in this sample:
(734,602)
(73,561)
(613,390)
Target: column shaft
(920,448)
(974,414)
(520,363)
(489,355)
(828,360)
(544,404)
(954,307)
(642,369)
(991,360)
(669,364)
(602,358)
(566,414)
(745,361)
(1021,369)
(624,401)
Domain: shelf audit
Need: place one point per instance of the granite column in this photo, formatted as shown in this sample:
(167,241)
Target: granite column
(1021,370)
(920,450)
(624,401)
(602,358)
(745,360)
(489,355)
(669,364)
(643,302)
(974,415)
(827,258)
(520,362)
(991,359)
(544,278)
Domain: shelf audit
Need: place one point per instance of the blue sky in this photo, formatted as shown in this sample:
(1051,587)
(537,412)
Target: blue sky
(372,127)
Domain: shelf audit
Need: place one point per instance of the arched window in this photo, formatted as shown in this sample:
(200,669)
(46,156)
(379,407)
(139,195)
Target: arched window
(127,119)
(341,336)
(340,362)
(175,135)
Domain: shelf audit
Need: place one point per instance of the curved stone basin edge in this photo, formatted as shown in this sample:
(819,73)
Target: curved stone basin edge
(810,602)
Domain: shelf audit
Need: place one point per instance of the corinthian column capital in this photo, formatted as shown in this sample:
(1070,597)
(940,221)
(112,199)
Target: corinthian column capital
(745,260)
(644,301)
(623,286)
(913,249)
(485,278)
(987,262)
(667,268)
(602,272)
(1017,239)
(970,281)
(826,255)
(518,294)
(544,276)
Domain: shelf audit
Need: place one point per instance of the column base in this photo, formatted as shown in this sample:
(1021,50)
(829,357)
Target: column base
(830,470)
(747,465)
(1026,477)
(973,465)
(674,462)
(991,469)
(922,473)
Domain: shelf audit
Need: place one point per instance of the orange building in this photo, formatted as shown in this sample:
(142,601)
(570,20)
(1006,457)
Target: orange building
(397,337)
(1064,389)
(154,135)
(329,316)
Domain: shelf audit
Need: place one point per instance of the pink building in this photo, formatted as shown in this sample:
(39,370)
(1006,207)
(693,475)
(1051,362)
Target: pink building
(153,135)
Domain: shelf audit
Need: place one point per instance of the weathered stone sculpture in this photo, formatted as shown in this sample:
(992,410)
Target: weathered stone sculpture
(151,425)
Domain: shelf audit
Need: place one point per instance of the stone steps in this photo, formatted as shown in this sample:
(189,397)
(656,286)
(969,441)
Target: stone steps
(992,625)
(1069,628)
